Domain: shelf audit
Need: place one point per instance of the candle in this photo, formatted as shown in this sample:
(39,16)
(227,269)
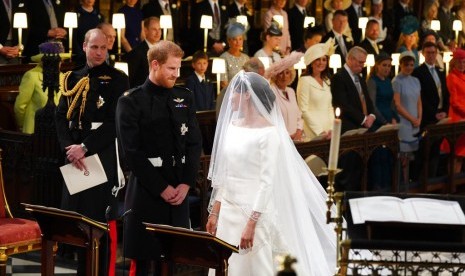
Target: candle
(335,138)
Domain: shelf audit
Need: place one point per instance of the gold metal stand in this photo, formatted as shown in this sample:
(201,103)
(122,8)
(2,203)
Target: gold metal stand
(335,198)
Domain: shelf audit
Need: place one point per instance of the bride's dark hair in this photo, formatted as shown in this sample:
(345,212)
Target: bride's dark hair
(262,89)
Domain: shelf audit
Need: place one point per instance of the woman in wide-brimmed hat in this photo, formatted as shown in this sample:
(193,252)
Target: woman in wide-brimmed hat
(314,93)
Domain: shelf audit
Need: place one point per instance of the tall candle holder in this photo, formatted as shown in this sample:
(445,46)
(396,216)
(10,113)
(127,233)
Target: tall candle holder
(218,68)
(333,197)
(457,27)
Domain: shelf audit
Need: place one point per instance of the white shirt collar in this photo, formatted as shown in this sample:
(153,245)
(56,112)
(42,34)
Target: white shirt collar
(201,78)
(301,9)
(239,5)
(149,44)
(351,74)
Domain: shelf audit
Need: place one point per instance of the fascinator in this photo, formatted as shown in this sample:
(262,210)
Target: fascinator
(409,24)
(235,29)
(283,64)
(274,30)
(318,50)
(407,54)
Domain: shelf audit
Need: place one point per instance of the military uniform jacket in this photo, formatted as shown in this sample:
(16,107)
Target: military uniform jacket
(161,141)
(95,127)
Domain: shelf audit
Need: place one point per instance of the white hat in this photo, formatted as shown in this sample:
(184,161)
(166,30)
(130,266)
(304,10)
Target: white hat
(318,50)
(345,5)
(377,2)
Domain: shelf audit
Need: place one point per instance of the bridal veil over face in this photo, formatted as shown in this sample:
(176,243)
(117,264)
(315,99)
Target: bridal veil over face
(299,198)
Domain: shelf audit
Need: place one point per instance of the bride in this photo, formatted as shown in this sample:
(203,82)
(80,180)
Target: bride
(265,199)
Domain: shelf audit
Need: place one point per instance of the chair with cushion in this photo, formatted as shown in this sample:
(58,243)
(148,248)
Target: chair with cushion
(16,235)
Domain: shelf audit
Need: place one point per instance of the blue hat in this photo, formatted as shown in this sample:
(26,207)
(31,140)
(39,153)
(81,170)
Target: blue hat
(274,30)
(409,24)
(235,29)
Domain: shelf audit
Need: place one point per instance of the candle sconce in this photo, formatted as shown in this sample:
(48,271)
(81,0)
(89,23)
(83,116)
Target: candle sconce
(20,23)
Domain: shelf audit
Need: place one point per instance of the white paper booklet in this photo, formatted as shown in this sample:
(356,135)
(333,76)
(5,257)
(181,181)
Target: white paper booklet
(77,181)
(413,210)
(388,127)
(351,132)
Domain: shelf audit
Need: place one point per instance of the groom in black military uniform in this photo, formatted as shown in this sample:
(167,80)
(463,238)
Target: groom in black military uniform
(85,122)
(158,131)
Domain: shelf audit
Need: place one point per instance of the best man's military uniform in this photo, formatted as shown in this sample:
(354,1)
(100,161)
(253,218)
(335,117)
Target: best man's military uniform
(86,114)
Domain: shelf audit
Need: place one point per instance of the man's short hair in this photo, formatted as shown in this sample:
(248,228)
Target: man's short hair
(371,22)
(150,19)
(92,31)
(356,51)
(253,65)
(340,12)
(162,50)
(199,55)
(428,44)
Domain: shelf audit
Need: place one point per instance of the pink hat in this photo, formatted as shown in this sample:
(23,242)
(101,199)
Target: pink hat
(459,54)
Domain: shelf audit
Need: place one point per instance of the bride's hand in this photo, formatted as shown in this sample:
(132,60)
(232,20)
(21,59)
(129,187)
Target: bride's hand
(248,235)
(212,223)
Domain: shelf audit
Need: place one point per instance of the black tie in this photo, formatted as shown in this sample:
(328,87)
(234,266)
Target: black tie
(304,12)
(216,13)
(243,10)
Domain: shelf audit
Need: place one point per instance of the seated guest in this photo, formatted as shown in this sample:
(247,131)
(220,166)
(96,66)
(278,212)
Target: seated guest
(32,96)
(430,13)
(271,39)
(383,20)
(243,7)
(314,93)
(137,58)
(233,57)
(132,35)
(204,92)
(282,74)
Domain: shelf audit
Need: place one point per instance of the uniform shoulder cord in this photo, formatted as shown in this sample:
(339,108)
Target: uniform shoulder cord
(81,88)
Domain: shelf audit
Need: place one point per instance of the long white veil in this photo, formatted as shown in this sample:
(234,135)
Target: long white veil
(297,194)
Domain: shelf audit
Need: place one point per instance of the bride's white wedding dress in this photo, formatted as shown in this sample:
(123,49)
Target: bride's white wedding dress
(252,158)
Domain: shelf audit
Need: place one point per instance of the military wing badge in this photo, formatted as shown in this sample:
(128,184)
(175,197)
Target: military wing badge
(100,102)
(178,100)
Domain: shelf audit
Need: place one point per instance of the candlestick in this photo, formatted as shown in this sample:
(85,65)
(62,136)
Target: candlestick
(457,27)
(218,68)
(362,24)
(335,138)
(119,22)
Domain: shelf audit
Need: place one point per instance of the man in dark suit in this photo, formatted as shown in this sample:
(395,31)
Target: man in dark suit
(350,94)
(342,41)
(137,59)
(164,7)
(8,36)
(446,18)
(45,19)
(434,100)
(86,126)
(158,131)
(252,41)
(371,35)
(216,40)
(354,12)
(400,10)
(296,16)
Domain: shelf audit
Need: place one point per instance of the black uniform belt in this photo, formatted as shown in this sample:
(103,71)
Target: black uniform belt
(159,161)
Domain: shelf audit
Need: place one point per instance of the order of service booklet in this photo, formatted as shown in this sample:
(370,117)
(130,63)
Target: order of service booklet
(77,180)
(410,210)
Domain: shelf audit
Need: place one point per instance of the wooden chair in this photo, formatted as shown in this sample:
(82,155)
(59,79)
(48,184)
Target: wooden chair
(16,235)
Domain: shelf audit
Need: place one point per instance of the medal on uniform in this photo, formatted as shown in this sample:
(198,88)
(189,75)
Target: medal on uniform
(184,129)
(100,102)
